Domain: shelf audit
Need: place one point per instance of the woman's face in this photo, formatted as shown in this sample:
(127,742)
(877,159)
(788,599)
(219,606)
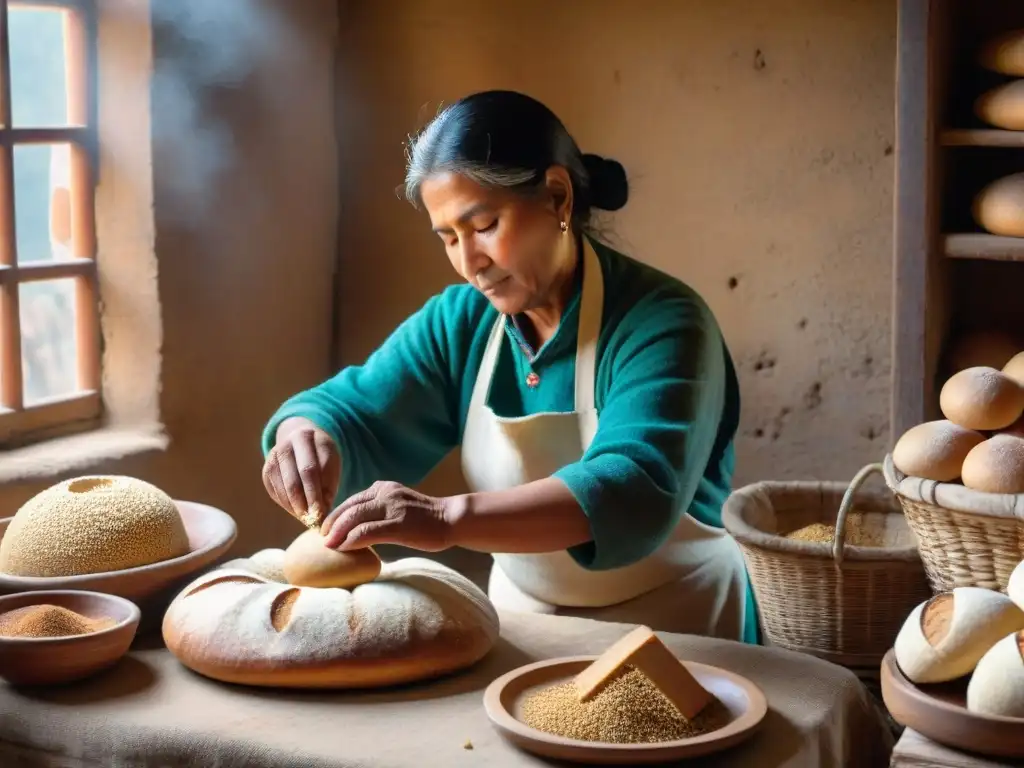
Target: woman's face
(510,247)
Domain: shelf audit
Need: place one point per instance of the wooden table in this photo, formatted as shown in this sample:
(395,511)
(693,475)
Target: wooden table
(149,710)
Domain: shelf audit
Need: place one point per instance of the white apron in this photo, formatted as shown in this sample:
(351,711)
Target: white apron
(693,583)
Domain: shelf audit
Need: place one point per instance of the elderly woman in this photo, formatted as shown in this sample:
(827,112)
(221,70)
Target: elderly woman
(593,397)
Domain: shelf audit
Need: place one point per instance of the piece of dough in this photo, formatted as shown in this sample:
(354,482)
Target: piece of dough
(999,206)
(982,399)
(1014,368)
(417,620)
(308,563)
(1004,53)
(1003,106)
(997,685)
(944,637)
(934,450)
(996,465)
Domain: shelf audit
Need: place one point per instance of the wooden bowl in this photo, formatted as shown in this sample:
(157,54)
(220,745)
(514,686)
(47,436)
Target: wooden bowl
(211,533)
(504,698)
(939,712)
(52,660)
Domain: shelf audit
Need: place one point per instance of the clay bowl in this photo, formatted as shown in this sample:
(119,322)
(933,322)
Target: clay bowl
(939,712)
(54,660)
(504,698)
(211,533)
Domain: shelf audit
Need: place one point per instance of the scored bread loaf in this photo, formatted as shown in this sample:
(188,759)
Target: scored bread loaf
(944,637)
(934,450)
(240,624)
(997,685)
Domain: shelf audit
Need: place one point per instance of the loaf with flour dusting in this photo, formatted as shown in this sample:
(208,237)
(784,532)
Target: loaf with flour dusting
(243,623)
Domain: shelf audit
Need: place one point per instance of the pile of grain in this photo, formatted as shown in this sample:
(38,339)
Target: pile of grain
(49,621)
(630,710)
(858,532)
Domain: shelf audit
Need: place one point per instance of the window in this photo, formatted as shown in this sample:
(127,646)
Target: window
(49,309)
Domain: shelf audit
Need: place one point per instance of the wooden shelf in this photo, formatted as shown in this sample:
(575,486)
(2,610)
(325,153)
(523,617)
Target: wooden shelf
(982,137)
(982,246)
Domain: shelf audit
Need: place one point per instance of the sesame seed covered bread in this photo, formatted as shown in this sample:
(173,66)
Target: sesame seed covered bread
(243,623)
(90,525)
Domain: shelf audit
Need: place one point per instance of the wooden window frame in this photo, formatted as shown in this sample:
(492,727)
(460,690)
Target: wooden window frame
(82,410)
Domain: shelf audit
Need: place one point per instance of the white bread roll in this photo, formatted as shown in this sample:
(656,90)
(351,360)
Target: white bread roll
(999,206)
(982,399)
(1014,367)
(997,685)
(1004,53)
(1003,106)
(417,620)
(1015,585)
(988,348)
(944,637)
(996,465)
(308,563)
(934,450)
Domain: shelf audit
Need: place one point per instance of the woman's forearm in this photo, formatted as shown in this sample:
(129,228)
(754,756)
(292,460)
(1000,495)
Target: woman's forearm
(542,516)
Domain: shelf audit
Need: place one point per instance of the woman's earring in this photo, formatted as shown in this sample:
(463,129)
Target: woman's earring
(564,226)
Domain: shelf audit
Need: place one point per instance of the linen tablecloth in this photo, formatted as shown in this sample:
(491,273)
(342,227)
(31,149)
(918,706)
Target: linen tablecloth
(915,751)
(151,711)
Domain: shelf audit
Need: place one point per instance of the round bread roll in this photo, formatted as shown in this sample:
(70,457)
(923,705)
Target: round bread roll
(982,398)
(92,524)
(1004,53)
(997,685)
(999,207)
(991,349)
(934,450)
(1003,107)
(943,637)
(416,620)
(1015,585)
(308,563)
(996,465)
(1014,367)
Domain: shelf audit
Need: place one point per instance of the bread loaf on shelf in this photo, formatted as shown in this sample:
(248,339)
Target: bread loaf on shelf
(1004,53)
(417,619)
(1003,106)
(934,450)
(982,399)
(997,685)
(944,637)
(999,206)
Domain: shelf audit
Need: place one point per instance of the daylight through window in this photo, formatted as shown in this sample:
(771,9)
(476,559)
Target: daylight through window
(49,325)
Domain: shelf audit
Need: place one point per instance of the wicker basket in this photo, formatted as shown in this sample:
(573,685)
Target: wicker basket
(967,538)
(842,603)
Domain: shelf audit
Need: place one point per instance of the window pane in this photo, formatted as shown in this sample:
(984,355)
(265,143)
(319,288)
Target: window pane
(38,92)
(48,354)
(42,203)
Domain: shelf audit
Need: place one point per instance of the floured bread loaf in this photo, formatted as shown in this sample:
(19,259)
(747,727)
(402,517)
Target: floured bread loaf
(944,637)
(92,525)
(934,450)
(417,619)
(996,465)
(308,563)
(982,398)
(997,685)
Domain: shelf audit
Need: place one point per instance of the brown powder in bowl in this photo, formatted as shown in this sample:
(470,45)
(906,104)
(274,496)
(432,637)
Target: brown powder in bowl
(858,533)
(629,710)
(49,621)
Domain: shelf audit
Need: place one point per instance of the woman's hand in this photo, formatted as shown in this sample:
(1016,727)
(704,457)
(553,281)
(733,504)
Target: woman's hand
(303,470)
(388,513)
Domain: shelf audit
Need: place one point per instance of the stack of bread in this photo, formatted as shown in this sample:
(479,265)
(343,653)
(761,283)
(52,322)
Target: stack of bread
(980,443)
(999,207)
(973,632)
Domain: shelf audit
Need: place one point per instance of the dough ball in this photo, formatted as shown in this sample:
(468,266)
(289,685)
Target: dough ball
(996,465)
(999,206)
(997,685)
(1014,367)
(308,563)
(982,398)
(1004,53)
(934,450)
(944,637)
(93,524)
(1003,107)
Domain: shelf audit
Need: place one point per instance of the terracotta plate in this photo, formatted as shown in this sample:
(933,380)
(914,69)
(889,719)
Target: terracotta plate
(938,712)
(503,701)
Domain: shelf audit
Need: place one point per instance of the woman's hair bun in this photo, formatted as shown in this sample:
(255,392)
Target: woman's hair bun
(609,189)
